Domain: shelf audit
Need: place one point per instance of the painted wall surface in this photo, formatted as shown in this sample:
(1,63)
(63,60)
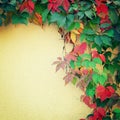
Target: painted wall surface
(29,87)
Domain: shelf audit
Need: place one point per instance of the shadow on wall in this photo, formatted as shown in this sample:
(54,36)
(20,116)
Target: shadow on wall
(29,87)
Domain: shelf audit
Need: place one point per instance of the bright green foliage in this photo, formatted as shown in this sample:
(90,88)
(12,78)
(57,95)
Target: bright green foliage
(90,90)
(116,114)
(20,18)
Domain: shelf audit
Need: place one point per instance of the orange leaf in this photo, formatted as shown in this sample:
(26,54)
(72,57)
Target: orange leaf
(102,57)
(39,18)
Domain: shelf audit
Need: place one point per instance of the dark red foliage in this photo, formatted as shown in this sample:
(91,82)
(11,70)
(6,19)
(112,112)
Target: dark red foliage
(104,93)
(95,54)
(98,2)
(98,114)
(80,49)
(102,10)
(88,101)
(27,5)
(102,57)
(54,4)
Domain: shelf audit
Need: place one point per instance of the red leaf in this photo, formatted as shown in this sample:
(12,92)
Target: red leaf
(60,64)
(68,78)
(54,4)
(39,18)
(92,105)
(98,2)
(103,92)
(100,92)
(80,49)
(107,94)
(111,89)
(88,101)
(102,10)
(66,5)
(95,54)
(84,71)
(98,114)
(101,111)
(70,57)
(102,57)
(28,5)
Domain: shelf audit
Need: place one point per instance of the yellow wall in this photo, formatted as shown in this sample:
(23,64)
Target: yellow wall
(29,87)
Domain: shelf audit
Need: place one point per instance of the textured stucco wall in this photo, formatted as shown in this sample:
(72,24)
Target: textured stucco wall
(29,87)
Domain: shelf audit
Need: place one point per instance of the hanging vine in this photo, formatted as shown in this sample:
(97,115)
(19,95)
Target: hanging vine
(93,27)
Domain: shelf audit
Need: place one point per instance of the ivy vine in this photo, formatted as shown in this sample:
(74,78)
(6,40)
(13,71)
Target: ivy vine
(93,27)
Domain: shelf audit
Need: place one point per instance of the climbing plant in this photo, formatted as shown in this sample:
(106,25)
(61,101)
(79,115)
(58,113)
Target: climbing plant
(93,28)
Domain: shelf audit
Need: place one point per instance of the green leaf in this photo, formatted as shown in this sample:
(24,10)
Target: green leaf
(111,68)
(19,19)
(82,37)
(97,61)
(70,20)
(74,81)
(45,14)
(99,49)
(113,15)
(89,13)
(98,40)
(78,64)
(86,56)
(79,61)
(54,17)
(25,14)
(44,1)
(79,58)
(9,8)
(75,6)
(90,90)
(116,2)
(34,0)
(92,64)
(101,103)
(85,5)
(103,78)
(95,78)
(116,110)
(109,33)
(99,79)
(88,31)
(107,118)
(61,20)
(90,38)
(106,40)
(72,65)
(39,8)
(0,22)
(74,25)
(77,25)
(86,63)
(12,2)
(80,15)
(105,25)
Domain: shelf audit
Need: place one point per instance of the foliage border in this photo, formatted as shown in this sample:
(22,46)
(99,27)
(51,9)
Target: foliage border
(93,28)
